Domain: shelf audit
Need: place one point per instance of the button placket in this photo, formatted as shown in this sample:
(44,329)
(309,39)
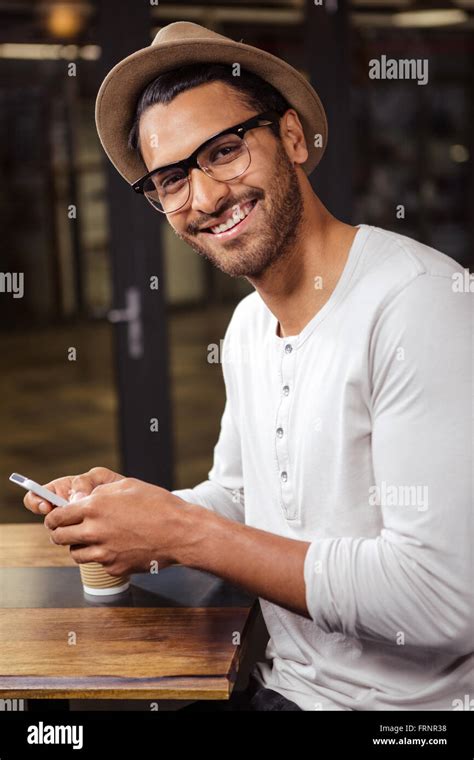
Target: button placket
(281,431)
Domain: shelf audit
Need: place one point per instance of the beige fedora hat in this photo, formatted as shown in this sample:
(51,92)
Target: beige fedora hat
(180,44)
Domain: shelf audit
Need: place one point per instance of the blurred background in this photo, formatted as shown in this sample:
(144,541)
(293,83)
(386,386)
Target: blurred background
(99,368)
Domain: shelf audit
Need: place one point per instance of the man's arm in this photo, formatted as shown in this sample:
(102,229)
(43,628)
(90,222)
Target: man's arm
(264,564)
(413,583)
(414,579)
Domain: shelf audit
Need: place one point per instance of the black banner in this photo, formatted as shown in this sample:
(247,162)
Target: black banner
(118,734)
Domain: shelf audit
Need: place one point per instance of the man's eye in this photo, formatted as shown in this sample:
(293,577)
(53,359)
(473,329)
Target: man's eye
(224,151)
(171,181)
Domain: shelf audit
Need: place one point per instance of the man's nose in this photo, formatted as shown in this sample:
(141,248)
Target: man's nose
(206,192)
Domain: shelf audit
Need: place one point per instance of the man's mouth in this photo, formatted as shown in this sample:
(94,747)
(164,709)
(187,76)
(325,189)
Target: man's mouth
(239,212)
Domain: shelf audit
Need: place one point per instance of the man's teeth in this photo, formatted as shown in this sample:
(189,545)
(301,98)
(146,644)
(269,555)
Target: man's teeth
(240,212)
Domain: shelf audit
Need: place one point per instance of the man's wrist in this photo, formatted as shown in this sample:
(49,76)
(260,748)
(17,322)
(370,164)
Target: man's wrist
(195,531)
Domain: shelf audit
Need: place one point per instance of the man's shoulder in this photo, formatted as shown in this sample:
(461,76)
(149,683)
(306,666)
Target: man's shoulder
(393,262)
(391,250)
(414,287)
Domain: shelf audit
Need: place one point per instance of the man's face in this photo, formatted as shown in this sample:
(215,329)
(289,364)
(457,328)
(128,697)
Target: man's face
(169,133)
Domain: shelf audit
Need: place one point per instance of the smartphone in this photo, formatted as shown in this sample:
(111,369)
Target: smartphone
(41,491)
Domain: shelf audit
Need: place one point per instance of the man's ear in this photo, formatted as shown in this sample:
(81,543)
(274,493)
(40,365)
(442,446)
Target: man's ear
(292,135)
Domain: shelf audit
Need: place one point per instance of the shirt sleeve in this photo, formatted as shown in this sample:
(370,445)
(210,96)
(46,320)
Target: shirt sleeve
(412,583)
(223,492)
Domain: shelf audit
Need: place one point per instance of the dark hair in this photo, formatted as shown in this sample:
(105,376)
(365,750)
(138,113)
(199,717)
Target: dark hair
(252,89)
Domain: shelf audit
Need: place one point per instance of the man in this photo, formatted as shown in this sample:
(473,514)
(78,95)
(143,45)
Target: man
(340,488)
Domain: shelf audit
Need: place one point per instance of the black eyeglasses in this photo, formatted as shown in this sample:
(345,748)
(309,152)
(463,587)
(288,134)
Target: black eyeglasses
(224,156)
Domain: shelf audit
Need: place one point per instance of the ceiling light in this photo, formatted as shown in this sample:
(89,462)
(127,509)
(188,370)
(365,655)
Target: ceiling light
(434,16)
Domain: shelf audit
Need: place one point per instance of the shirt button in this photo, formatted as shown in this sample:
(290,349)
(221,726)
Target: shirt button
(288,348)
(279,432)
(286,390)
(284,476)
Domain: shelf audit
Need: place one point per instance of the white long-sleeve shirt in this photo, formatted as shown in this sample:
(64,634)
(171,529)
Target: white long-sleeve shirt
(356,436)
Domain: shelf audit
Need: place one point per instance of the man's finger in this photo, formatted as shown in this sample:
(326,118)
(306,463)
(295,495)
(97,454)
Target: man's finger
(60,486)
(82,554)
(97,476)
(68,536)
(62,516)
(35,504)
(82,484)
(77,496)
(39,505)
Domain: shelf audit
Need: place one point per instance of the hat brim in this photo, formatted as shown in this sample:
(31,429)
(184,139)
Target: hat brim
(119,92)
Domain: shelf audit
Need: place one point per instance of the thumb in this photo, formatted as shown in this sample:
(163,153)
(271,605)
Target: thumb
(76,495)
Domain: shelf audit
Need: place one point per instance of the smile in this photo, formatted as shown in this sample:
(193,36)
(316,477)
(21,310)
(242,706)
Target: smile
(235,223)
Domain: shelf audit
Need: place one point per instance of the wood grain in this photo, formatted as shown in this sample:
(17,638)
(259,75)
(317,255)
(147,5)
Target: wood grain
(183,688)
(28,545)
(120,652)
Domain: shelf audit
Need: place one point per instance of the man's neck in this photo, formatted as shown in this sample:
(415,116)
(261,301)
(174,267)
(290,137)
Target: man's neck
(298,285)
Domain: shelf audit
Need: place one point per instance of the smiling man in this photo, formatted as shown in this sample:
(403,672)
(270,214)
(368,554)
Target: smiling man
(228,198)
(340,488)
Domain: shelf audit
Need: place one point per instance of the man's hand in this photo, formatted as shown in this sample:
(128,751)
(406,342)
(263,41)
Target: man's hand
(71,487)
(126,525)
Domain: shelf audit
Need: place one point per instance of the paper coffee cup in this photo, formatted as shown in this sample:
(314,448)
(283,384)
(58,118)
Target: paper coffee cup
(97,581)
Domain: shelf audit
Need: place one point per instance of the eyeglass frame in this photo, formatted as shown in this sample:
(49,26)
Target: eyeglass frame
(270,117)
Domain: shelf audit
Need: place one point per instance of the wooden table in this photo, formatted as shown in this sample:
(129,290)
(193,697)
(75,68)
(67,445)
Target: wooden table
(174,635)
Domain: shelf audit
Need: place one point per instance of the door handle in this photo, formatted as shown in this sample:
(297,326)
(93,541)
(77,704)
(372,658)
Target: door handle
(132,316)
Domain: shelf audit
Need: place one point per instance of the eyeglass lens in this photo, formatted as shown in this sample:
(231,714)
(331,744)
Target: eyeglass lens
(225,158)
